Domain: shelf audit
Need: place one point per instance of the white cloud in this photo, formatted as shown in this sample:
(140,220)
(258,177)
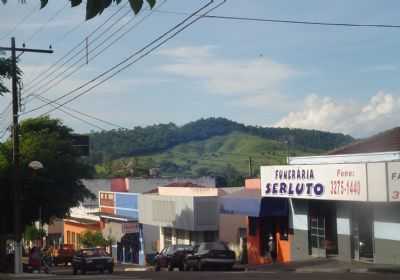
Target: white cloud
(323,113)
(249,80)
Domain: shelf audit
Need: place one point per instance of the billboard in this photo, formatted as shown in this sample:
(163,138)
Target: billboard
(394,180)
(329,181)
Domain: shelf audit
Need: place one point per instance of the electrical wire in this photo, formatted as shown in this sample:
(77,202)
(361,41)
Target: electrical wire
(44,99)
(56,14)
(73,65)
(95,55)
(43,73)
(73,116)
(288,21)
(182,23)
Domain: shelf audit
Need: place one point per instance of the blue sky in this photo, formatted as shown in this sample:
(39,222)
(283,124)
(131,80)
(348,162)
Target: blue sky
(268,74)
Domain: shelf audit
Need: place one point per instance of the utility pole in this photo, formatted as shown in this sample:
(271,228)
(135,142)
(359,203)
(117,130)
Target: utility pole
(250,168)
(16,155)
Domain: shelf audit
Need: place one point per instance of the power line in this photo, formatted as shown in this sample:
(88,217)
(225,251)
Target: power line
(94,56)
(303,22)
(42,74)
(33,35)
(44,99)
(72,115)
(185,26)
(288,21)
(83,56)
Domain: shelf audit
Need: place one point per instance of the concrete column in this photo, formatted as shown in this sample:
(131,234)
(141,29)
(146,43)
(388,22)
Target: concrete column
(343,216)
(298,223)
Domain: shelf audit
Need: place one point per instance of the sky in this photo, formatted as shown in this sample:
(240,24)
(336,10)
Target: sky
(258,73)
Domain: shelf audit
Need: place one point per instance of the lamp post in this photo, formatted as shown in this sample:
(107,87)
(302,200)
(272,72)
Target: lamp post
(37,165)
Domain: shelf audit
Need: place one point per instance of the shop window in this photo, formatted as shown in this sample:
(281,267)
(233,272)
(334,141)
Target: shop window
(180,237)
(167,237)
(73,238)
(68,237)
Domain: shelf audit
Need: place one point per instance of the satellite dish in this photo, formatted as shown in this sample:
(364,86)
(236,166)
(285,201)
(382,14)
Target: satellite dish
(35,165)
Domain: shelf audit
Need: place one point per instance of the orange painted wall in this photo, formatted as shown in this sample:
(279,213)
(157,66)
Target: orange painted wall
(255,255)
(78,228)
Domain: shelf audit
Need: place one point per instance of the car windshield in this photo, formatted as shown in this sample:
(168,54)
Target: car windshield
(94,252)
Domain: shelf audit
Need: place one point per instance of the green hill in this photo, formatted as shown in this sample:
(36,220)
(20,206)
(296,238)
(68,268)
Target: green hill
(226,157)
(115,144)
(214,146)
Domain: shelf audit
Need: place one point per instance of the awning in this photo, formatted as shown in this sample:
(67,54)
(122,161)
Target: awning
(249,202)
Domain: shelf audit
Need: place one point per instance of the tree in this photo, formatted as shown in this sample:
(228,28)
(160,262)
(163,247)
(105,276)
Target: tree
(93,239)
(56,188)
(5,73)
(96,7)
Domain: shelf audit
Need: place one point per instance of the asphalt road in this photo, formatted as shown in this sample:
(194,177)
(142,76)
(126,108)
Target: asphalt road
(221,275)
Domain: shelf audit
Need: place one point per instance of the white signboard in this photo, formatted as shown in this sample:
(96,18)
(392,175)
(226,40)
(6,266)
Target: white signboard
(329,181)
(394,181)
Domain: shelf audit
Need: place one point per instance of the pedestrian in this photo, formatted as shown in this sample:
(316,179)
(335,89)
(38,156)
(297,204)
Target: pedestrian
(272,247)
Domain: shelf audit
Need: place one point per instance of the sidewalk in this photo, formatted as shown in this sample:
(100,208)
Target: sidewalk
(325,266)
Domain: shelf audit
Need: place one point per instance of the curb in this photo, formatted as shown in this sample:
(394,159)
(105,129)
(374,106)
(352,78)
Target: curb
(322,270)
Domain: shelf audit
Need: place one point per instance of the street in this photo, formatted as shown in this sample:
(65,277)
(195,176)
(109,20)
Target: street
(222,275)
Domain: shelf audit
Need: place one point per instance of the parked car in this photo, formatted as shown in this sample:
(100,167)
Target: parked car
(172,256)
(210,255)
(64,254)
(92,259)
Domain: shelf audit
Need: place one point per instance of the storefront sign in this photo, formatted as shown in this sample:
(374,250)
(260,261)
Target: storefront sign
(329,181)
(394,181)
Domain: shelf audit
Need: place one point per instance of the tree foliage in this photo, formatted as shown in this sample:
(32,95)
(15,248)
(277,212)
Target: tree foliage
(96,7)
(5,73)
(57,187)
(94,239)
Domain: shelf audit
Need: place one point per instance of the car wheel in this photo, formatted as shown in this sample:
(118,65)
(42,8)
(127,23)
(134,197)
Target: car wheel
(83,271)
(75,271)
(102,271)
(185,267)
(170,267)
(111,270)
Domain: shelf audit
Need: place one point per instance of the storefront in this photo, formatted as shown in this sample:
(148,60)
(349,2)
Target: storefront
(267,236)
(119,216)
(346,206)
(184,215)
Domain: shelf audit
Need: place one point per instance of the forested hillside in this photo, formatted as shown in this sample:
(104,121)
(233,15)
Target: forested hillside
(115,144)
(229,158)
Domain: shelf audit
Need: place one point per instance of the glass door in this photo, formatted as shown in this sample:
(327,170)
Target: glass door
(317,236)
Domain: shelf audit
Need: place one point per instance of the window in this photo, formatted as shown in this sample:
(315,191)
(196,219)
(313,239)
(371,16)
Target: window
(73,238)
(78,240)
(68,237)
(167,237)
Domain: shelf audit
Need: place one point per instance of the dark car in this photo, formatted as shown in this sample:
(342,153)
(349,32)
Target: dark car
(210,255)
(93,259)
(172,256)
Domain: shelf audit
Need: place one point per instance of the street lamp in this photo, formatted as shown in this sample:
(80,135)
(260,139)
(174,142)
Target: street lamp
(37,165)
